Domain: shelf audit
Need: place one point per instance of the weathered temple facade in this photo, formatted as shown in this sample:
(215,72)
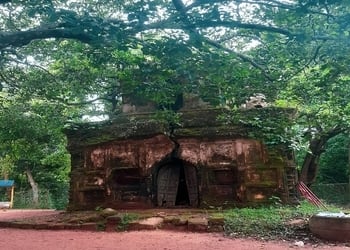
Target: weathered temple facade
(135,161)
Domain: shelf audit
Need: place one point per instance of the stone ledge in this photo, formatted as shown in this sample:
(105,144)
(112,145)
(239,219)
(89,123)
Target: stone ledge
(113,224)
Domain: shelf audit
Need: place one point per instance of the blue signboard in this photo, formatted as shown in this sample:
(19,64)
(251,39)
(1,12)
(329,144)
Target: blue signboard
(7,183)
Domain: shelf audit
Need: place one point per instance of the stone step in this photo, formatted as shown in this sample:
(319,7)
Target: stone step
(146,224)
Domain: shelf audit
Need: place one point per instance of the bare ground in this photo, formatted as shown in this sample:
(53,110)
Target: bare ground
(17,239)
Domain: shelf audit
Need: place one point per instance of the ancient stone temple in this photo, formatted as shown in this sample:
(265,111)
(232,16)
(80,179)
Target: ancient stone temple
(136,161)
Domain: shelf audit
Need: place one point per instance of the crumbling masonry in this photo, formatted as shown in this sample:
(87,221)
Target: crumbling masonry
(135,161)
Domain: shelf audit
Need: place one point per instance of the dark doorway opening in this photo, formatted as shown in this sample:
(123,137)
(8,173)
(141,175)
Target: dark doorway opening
(177,185)
(182,198)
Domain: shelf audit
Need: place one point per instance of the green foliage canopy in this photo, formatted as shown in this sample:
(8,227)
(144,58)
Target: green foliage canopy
(61,60)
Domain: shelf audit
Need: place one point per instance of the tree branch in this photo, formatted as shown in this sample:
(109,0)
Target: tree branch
(85,29)
(270,3)
(235,24)
(181,8)
(239,55)
(21,38)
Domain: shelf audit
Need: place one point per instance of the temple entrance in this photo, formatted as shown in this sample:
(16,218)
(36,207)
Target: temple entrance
(177,185)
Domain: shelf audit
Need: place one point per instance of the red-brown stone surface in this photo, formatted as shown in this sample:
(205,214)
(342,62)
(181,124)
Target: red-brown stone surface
(16,239)
(29,239)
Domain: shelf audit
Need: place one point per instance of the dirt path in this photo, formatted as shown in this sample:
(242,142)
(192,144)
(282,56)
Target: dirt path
(11,214)
(17,239)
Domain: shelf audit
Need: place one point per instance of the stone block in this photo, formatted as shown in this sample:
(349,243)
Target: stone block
(198,224)
(146,224)
(88,226)
(57,226)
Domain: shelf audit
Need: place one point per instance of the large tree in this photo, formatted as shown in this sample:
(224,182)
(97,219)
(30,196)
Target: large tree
(32,145)
(93,52)
(322,95)
(231,26)
(254,44)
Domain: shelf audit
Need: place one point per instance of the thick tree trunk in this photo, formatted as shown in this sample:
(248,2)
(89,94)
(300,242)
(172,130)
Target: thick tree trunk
(310,165)
(349,170)
(34,186)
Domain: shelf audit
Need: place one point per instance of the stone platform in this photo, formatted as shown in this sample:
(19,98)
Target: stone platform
(111,220)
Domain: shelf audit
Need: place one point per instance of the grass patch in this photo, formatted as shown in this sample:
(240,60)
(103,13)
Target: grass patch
(125,221)
(268,222)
